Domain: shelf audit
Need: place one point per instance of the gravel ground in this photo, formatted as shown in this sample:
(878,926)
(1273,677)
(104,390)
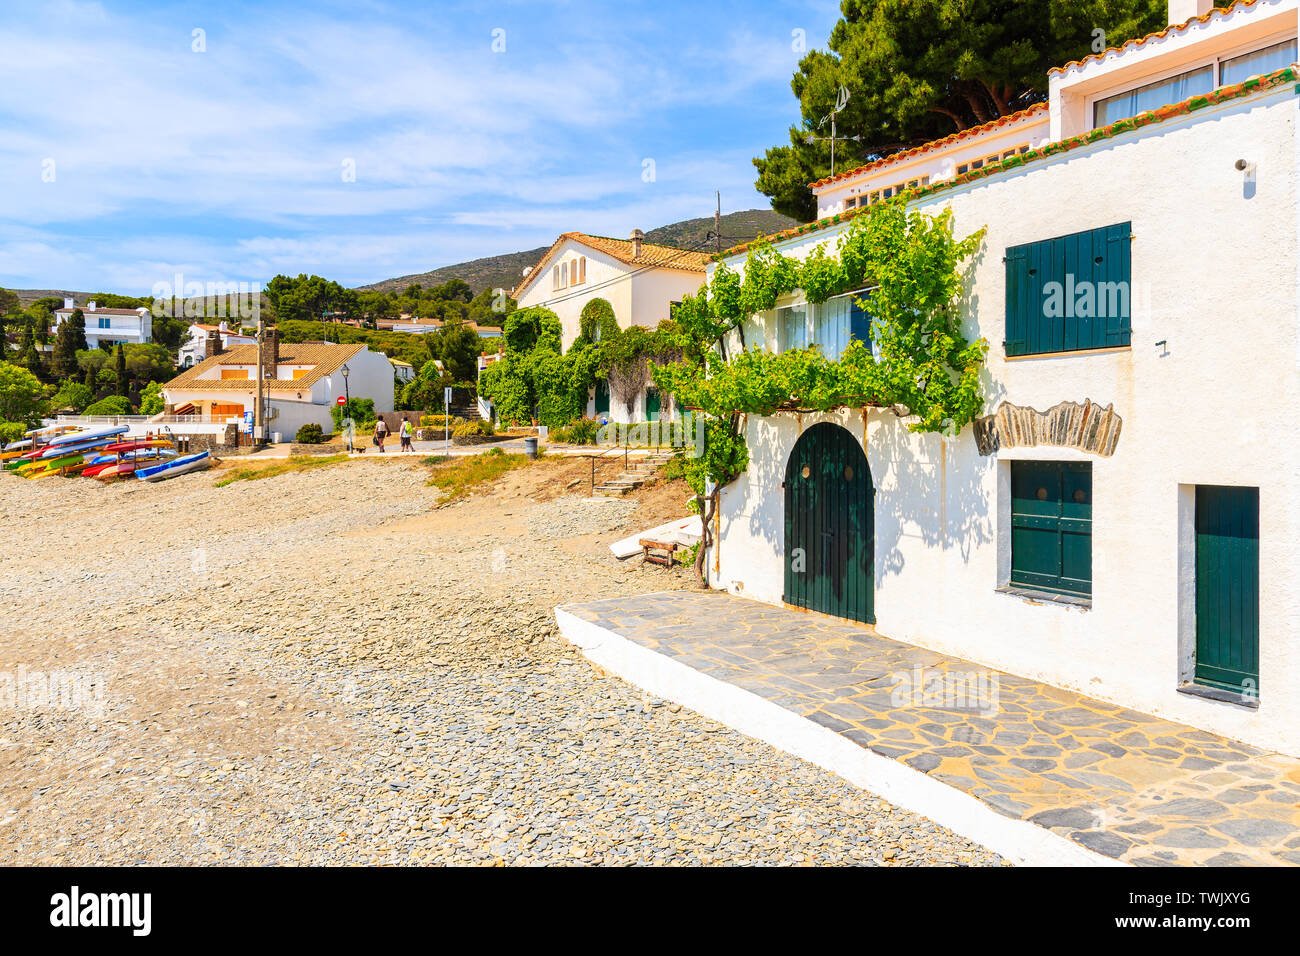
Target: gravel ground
(326,668)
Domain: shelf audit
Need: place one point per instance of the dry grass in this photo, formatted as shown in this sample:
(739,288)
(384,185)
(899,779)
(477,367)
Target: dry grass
(284,467)
(461,475)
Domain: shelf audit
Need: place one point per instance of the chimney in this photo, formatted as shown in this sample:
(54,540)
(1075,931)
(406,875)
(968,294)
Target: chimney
(212,345)
(1180,11)
(636,237)
(69,303)
(223,326)
(270,353)
(90,306)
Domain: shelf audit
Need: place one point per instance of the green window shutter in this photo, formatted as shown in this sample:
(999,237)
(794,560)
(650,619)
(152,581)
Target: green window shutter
(1018,300)
(1118,276)
(1087,275)
(1051,526)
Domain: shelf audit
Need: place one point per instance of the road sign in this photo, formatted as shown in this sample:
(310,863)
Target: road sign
(341,400)
(446,396)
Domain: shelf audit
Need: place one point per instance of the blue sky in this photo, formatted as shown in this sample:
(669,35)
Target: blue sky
(231,164)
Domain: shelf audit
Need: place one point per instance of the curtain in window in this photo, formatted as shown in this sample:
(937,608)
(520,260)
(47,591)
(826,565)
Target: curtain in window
(831,327)
(1267,60)
(1153,96)
(792,328)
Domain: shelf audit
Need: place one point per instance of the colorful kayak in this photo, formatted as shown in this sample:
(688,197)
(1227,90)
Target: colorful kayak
(110,431)
(136,445)
(101,463)
(176,466)
(54,451)
(53,466)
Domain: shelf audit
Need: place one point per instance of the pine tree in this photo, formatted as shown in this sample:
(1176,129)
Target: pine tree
(92,379)
(30,356)
(119,365)
(71,337)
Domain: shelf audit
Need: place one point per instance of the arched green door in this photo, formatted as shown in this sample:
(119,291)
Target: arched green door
(830,525)
(653,405)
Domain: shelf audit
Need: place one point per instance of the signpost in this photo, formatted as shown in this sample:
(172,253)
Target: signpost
(341,400)
(446,415)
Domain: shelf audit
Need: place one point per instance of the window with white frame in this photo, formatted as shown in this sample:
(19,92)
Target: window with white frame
(1174,89)
(831,327)
(791,328)
(1236,69)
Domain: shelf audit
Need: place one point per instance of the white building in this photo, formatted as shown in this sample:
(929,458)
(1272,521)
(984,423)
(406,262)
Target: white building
(302,380)
(203,341)
(1125,521)
(109,326)
(640,280)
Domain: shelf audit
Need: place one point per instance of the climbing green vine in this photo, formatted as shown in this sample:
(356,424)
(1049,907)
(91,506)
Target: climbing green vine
(905,269)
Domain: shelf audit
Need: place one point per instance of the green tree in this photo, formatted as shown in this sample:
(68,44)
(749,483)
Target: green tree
(119,371)
(918,70)
(28,354)
(20,395)
(151,399)
(70,339)
(73,395)
(457,347)
(9,301)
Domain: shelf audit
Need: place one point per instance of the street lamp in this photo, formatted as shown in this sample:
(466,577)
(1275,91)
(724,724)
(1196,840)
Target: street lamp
(810,138)
(347,403)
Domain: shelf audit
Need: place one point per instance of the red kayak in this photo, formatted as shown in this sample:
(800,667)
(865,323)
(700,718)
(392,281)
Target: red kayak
(138,444)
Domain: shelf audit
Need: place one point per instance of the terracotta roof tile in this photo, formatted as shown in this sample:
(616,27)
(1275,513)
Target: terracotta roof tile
(1256,84)
(934,145)
(653,256)
(1171,30)
(325,357)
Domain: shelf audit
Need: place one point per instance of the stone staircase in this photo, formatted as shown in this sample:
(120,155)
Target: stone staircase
(639,471)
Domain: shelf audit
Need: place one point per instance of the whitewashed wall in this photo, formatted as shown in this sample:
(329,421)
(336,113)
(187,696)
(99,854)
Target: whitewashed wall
(1215,269)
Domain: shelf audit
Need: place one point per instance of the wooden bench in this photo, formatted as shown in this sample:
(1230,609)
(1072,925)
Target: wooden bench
(658,552)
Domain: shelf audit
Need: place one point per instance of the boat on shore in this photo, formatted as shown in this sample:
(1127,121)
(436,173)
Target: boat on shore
(174,467)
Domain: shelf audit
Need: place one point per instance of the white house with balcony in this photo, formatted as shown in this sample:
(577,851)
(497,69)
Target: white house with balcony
(106,326)
(302,381)
(1124,519)
(640,280)
(203,341)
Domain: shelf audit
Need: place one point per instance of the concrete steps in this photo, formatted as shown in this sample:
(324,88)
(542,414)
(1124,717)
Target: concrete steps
(639,471)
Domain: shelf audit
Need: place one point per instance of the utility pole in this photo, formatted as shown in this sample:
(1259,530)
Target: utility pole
(717,221)
(258,424)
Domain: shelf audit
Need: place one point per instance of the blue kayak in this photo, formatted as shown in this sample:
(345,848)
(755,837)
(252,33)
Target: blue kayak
(176,466)
(71,438)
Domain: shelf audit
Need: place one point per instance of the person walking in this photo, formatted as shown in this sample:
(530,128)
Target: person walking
(381,432)
(404,433)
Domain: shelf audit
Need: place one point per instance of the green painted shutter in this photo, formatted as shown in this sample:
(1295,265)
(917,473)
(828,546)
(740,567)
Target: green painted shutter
(1097,260)
(1051,526)
(1119,269)
(1227,588)
(1018,300)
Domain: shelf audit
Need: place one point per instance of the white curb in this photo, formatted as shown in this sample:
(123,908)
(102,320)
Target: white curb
(1018,841)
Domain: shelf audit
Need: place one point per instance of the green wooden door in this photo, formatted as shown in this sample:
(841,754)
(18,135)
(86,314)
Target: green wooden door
(830,525)
(602,398)
(1051,526)
(652,404)
(1227,588)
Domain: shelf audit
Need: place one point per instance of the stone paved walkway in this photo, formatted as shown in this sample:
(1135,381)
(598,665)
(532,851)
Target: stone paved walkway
(1128,785)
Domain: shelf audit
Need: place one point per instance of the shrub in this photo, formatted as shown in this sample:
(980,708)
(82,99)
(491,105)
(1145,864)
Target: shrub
(310,434)
(674,468)
(11,431)
(73,395)
(112,405)
(473,429)
(360,410)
